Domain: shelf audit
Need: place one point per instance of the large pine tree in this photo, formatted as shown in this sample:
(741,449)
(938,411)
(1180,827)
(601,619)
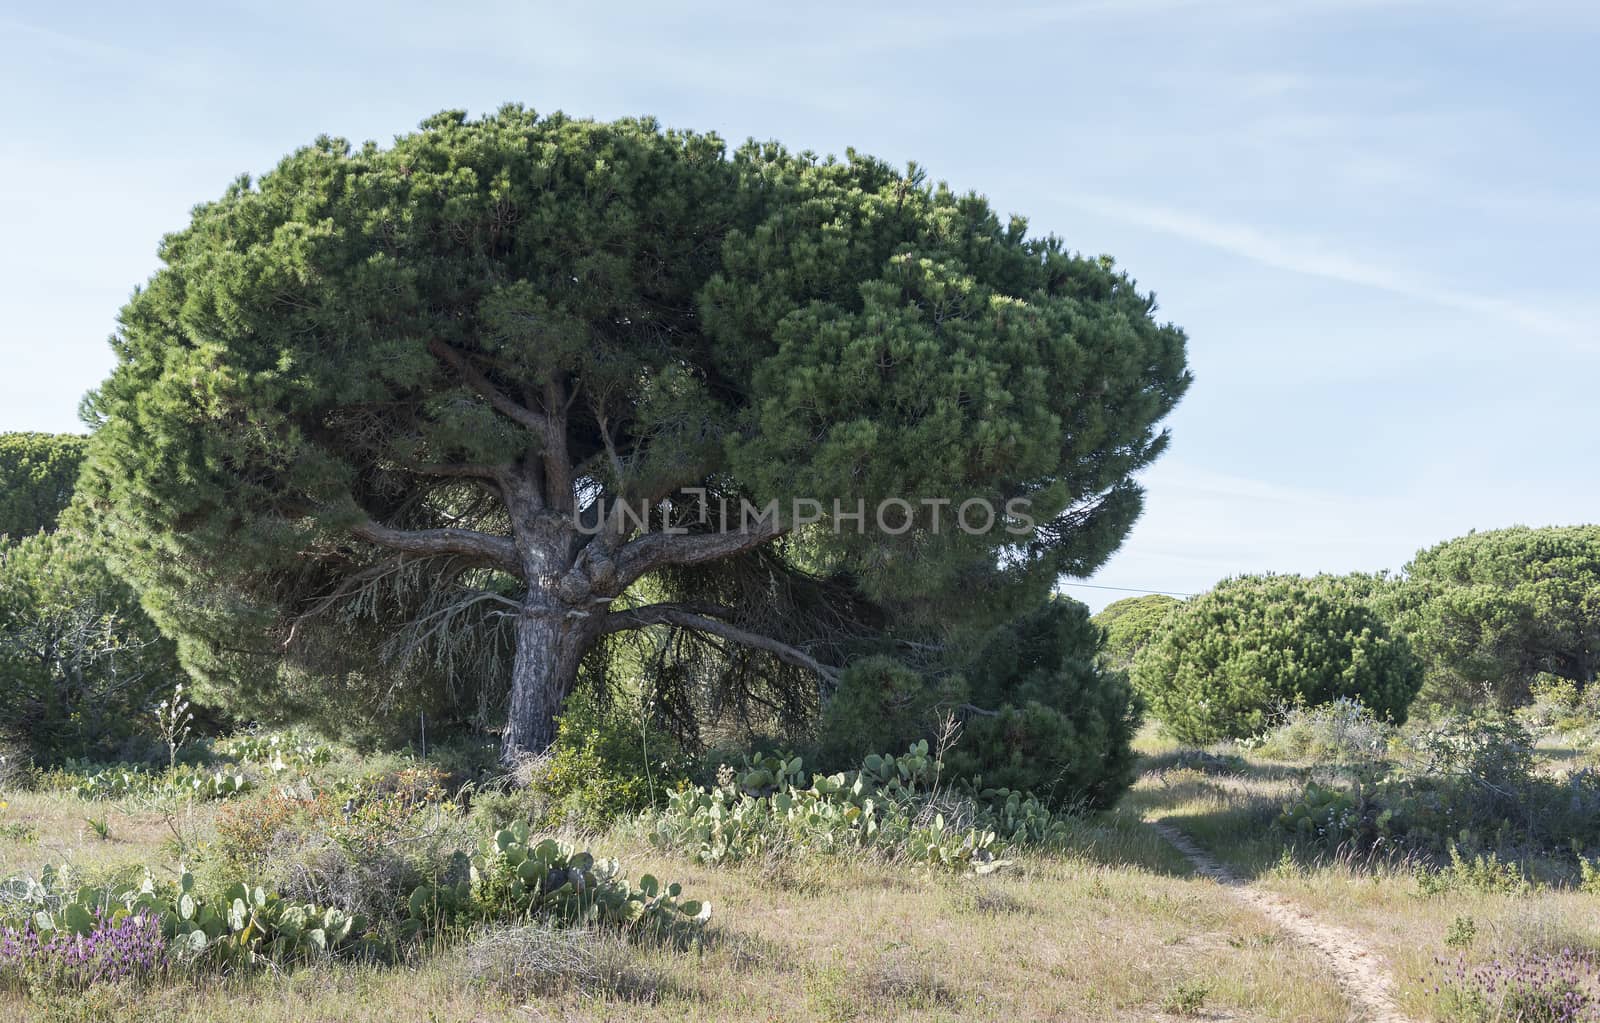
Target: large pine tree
(387,401)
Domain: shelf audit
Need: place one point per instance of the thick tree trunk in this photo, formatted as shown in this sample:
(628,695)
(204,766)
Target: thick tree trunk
(550,645)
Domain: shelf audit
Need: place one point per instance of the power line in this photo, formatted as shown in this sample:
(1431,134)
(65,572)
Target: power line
(1128,589)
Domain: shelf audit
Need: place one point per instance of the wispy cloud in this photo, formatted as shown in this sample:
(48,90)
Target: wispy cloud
(1318,259)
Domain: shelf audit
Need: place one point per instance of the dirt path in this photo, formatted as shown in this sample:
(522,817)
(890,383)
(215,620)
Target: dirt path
(1359,970)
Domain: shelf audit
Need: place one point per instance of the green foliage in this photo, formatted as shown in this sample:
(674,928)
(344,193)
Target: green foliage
(1493,611)
(1342,731)
(1336,818)
(607,764)
(1467,782)
(1492,750)
(361,847)
(881,703)
(125,780)
(277,751)
(1589,875)
(249,924)
(1038,712)
(890,807)
(1131,623)
(80,663)
(38,472)
(315,406)
(1231,659)
(1561,708)
(1482,873)
(513,877)
(238,925)
(1463,931)
(1059,725)
(1187,999)
(508,878)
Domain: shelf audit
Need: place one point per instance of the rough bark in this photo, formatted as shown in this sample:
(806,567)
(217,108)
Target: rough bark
(550,646)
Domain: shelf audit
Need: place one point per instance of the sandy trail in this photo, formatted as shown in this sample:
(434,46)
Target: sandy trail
(1359,969)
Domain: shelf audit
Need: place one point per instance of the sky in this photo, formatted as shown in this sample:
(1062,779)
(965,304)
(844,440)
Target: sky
(1377,220)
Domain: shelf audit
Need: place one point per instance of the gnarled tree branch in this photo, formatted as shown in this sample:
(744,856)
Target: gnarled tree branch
(697,617)
(655,550)
(494,551)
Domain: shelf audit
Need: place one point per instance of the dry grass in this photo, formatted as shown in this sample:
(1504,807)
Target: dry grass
(1118,931)
(42,827)
(1227,806)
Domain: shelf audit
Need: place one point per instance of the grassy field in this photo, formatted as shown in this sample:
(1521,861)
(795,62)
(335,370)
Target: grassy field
(1117,927)
(1227,800)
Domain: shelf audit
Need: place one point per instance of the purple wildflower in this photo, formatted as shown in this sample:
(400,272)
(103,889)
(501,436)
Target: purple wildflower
(1526,988)
(130,949)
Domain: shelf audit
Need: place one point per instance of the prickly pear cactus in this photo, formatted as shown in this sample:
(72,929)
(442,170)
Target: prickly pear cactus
(551,880)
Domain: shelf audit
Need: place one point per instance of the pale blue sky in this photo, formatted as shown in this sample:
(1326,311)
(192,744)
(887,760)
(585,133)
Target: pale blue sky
(1379,221)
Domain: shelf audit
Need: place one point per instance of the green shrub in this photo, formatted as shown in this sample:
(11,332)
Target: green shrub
(1130,624)
(1482,873)
(278,752)
(892,807)
(1060,725)
(1343,731)
(81,665)
(1336,818)
(508,878)
(1462,781)
(1187,998)
(1560,707)
(513,877)
(361,849)
(606,764)
(1463,931)
(1490,613)
(1038,712)
(1589,875)
(121,781)
(237,925)
(1228,660)
(882,704)
(38,472)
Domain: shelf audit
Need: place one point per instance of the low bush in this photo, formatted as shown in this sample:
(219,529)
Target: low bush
(1061,726)
(1562,708)
(892,807)
(1461,781)
(606,764)
(1226,661)
(121,781)
(276,751)
(55,932)
(236,925)
(1342,731)
(1037,709)
(512,877)
(1483,873)
(1338,818)
(882,704)
(361,849)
